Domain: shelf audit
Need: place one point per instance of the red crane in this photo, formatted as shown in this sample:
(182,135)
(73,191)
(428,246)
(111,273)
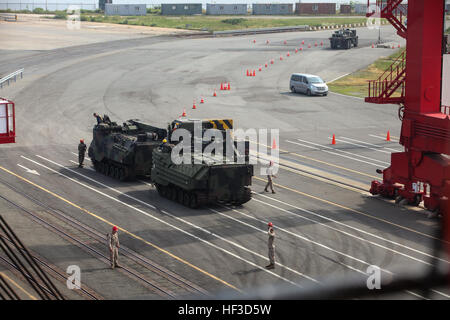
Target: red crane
(414,81)
(7,121)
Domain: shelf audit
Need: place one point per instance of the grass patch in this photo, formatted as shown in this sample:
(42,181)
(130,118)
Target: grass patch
(355,84)
(221,23)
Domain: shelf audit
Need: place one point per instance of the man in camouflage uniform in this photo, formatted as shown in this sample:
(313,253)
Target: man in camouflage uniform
(81,153)
(271,246)
(114,246)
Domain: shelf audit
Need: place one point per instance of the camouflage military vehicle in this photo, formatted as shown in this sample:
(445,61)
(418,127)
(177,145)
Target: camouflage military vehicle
(124,151)
(344,38)
(214,180)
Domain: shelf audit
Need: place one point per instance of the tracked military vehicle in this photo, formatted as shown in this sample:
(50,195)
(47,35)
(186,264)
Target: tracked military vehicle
(344,38)
(124,151)
(214,180)
(210,179)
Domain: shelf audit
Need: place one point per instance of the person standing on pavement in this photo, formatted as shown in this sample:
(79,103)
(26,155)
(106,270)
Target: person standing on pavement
(113,242)
(81,153)
(271,246)
(270,177)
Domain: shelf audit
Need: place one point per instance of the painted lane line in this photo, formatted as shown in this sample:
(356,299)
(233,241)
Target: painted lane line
(18,286)
(142,181)
(323,162)
(346,96)
(352,210)
(361,146)
(344,75)
(343,151)
(377,148)
(264,232)
(310,241)
(112,224)
(383,138)
(29,170)
(353,228)
(336,154)
(156,218)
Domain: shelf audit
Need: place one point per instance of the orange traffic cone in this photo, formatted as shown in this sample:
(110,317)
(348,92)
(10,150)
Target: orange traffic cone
(214,94)
(388,137)
(194,106)
(393,47)
(259,69)
(309,45)
(281,57)
(373,46)
(296,50)
(315,44)
(399,46)
(274,144)
(303,41)
(254,41)
(288,54)
(321,43)
(202,100)
(229,86)
(184,113)
(221,86)
(247,73)
(267,41)
(301,48)
(333,141)
(271,61)
(254,73)
(265,65)
(285,42)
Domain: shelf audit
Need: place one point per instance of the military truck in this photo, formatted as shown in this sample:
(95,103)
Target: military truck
(213,180)
(344,39)
(124,151)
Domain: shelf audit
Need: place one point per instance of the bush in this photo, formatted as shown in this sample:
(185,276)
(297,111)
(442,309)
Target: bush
(38,11)
(83,18)
(60,15)
(234,21)
(124,21)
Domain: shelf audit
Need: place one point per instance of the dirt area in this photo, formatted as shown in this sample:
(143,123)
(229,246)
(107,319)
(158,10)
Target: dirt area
(39,32)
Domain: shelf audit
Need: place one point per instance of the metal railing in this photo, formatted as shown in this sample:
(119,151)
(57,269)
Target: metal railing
(12,76)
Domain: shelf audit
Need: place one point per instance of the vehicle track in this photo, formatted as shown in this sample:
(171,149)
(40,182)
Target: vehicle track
(167,284)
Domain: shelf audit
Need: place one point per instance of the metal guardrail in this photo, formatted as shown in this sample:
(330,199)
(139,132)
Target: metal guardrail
(12,76)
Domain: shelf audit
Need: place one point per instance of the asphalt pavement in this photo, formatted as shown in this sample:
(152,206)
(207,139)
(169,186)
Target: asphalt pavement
(326,223)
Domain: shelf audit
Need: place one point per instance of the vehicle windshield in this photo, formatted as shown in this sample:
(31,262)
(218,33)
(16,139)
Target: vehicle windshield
(315,80)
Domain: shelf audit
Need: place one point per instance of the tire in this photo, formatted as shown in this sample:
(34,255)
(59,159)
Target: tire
(356,43)
(293,89)
(186,199)
(193,204)
(308,93)
(349,44)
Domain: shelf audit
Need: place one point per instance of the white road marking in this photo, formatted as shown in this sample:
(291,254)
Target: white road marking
(29,170)
(156,218)
(350,227)
(344,95)
(308,240)
(337,154)
(142,181)
(370,144)
(338,78)
(384,138)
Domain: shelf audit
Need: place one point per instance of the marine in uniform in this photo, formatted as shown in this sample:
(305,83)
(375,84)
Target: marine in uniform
(114,246)
(81,153)
(271,246)
(270,177)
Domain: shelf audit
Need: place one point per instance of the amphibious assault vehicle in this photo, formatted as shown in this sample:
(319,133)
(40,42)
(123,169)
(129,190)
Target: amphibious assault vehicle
(344,38)
(214,180)
(124,151)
